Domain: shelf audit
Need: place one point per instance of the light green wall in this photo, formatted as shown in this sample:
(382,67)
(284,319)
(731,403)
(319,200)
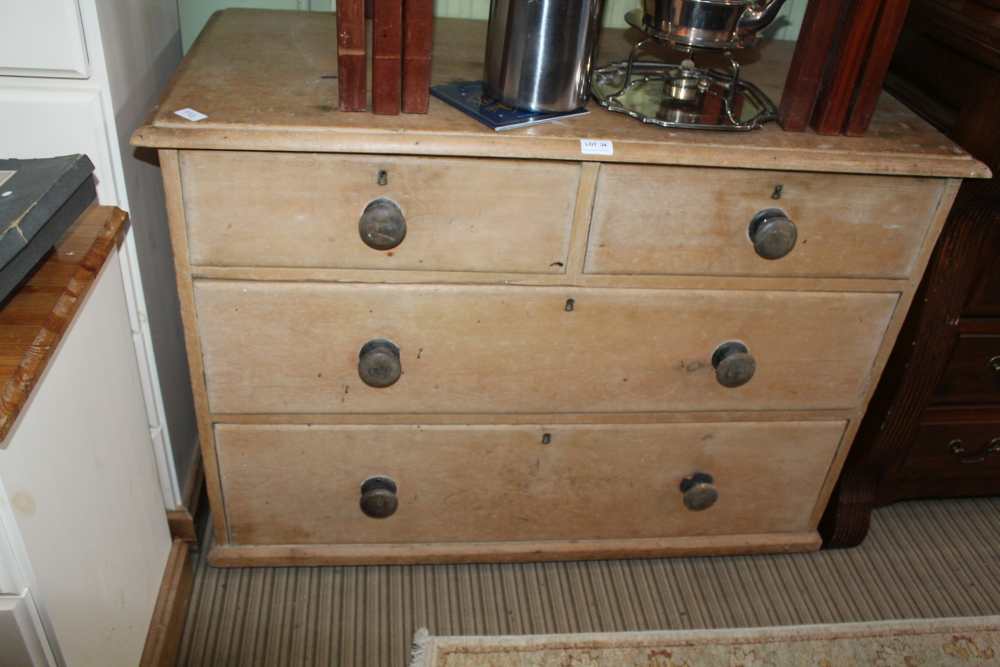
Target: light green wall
(194,13)
(614,12)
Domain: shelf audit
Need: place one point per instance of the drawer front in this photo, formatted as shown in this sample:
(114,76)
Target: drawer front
(973,374)
(302,484)
(985,299)
(44,38)
(681,220)
(296,348)
(959,450)
(303,210)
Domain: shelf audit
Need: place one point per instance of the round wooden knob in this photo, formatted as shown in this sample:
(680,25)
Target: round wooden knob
(382,225)
(699,491)
(773,234)
(734,365)
(378,497)
(378,363)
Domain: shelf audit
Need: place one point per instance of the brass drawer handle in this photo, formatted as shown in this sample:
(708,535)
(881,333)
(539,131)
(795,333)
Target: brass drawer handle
(734,365)
(379,499)
(382,226)
(699,491)
(994,364)
(773,233)
(958,449)
(378,363)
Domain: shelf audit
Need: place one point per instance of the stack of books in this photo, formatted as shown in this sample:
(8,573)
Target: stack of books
(403,35)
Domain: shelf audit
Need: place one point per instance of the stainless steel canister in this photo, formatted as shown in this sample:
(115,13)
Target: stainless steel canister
(539,52)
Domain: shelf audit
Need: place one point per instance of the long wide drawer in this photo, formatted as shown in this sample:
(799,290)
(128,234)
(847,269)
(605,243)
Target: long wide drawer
(305,210)
(297,348)
(303,484)
(683,220)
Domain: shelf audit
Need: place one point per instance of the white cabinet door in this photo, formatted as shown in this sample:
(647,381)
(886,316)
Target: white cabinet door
(42,38)
(37,121)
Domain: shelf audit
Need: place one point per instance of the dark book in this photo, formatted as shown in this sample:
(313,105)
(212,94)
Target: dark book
(819,30)
(418,40)
(352,67)
(844,69)
(39,200)
(887,32)
(387,65)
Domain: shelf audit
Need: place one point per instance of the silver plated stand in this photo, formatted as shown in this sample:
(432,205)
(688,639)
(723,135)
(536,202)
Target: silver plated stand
(681,96)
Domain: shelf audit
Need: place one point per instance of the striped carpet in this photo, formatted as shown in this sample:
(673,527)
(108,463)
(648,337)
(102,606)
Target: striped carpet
(922,559)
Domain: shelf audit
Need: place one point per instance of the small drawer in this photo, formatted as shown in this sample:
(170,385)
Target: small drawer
(954,450)
(304,484)
(973,374)
(307,210)
(696,221)
(337,348)
(44,39)
(985,299)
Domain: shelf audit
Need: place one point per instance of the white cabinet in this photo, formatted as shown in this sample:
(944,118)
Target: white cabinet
(115,57)
(42,38)
(81,518)
(73,472)
(104,447)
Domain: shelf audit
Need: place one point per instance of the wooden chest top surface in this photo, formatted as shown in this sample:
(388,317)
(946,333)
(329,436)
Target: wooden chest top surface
(267,81)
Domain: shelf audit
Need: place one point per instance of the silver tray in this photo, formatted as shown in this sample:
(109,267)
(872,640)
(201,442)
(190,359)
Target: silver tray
(682,96)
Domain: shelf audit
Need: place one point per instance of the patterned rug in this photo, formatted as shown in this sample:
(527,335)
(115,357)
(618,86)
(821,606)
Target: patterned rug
(964,642)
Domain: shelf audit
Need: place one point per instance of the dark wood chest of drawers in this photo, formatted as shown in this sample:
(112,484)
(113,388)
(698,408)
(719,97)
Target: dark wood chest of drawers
(933,426)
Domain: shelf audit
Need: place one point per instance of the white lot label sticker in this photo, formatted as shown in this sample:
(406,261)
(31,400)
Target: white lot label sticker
(191,114)
(597,147)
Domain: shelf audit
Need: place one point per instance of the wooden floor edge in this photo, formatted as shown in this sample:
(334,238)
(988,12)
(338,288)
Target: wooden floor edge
(167,624)
(510,552)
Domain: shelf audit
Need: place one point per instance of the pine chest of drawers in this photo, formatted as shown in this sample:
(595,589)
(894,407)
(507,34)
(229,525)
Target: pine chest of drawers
(413,339)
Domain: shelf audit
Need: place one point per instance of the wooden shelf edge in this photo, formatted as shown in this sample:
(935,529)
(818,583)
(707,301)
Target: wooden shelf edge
(19,385)
(510,552)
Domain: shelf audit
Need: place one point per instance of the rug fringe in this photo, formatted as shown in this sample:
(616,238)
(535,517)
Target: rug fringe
(418,649)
